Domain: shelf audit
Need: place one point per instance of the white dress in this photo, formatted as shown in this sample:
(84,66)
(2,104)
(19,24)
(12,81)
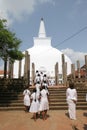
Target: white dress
(26,94)
(44,104)
(37,78)
(71,96)
(34,107)
(38,88)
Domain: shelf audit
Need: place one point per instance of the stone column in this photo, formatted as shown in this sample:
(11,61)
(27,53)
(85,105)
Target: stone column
(33,73)
(10,69)
(63,61)
(65,76)
(73,71)
(56,74)
(27,67)
(12,66)
(78,68)
(86,64)
(19,72)
(64,70)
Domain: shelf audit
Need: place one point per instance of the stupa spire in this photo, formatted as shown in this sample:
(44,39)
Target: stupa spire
(42,32)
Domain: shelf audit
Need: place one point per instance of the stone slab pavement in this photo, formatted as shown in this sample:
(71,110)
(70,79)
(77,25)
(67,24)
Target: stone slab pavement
(57,120)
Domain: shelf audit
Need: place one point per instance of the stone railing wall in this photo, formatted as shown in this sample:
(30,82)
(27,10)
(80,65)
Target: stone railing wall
(12,84)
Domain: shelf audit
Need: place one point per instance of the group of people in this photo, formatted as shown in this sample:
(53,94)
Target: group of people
(37,102)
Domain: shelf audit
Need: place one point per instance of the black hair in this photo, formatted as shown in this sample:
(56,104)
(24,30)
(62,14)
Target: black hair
(34,90)
(36,71)
(43,86)
(44,75)
(26,86)
(44,81)
(71,85)
(38,82)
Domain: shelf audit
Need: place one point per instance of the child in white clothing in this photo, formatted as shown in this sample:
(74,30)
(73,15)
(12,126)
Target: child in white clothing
(26,94)
(34,107)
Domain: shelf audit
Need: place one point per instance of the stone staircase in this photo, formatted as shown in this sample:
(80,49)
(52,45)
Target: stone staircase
(14,100)
(58,99)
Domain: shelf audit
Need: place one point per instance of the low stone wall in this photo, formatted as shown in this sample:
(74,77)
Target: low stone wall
(80,85)
(12,84)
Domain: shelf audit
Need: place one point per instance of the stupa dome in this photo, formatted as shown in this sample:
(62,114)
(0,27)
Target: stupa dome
(44,56)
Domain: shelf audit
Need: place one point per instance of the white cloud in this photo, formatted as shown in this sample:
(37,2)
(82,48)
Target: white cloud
(74,56)
(16,9)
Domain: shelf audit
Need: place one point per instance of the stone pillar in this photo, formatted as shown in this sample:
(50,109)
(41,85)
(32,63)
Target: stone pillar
(65,76)
(19,72)
(73,71)
(10,69)
(86,65)
(56,74)
(78,68)
(63,62)
(12,66)
(33,73)
(27,67)
(64,70)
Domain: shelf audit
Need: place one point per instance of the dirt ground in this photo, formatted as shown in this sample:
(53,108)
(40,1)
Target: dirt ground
(56,120)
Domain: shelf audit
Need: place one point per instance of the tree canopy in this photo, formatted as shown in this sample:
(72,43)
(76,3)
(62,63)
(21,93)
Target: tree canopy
(9,44)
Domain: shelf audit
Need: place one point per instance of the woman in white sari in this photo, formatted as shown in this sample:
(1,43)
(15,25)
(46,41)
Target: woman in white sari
(71,97)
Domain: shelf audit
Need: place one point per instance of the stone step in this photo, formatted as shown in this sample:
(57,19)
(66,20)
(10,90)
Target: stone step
(50,108)
(52,98)
(14,100)
(50,89)
(66,108)
(51,103)
(51,93)
(64,103)
(64,100)
(10,108)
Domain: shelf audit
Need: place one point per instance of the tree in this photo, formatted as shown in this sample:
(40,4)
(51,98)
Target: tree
(9,45)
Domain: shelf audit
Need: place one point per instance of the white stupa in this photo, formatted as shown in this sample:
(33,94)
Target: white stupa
(43,55)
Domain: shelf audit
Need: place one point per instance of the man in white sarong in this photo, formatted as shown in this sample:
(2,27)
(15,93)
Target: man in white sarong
(71,97)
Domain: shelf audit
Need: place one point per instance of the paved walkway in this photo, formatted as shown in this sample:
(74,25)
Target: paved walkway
(57,120)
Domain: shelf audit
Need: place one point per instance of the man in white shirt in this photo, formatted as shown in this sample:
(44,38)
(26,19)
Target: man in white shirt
(71,97)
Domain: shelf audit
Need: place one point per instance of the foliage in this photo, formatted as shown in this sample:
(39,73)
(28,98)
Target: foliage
(9,44)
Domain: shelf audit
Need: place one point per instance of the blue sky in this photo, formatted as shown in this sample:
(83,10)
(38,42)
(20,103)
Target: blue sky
(62,18)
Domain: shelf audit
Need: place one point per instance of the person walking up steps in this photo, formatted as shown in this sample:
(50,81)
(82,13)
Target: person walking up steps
(71,97)
(26,99)
(34,107)
(44,103)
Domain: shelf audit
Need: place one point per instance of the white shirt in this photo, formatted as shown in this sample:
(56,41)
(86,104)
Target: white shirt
(71,94)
